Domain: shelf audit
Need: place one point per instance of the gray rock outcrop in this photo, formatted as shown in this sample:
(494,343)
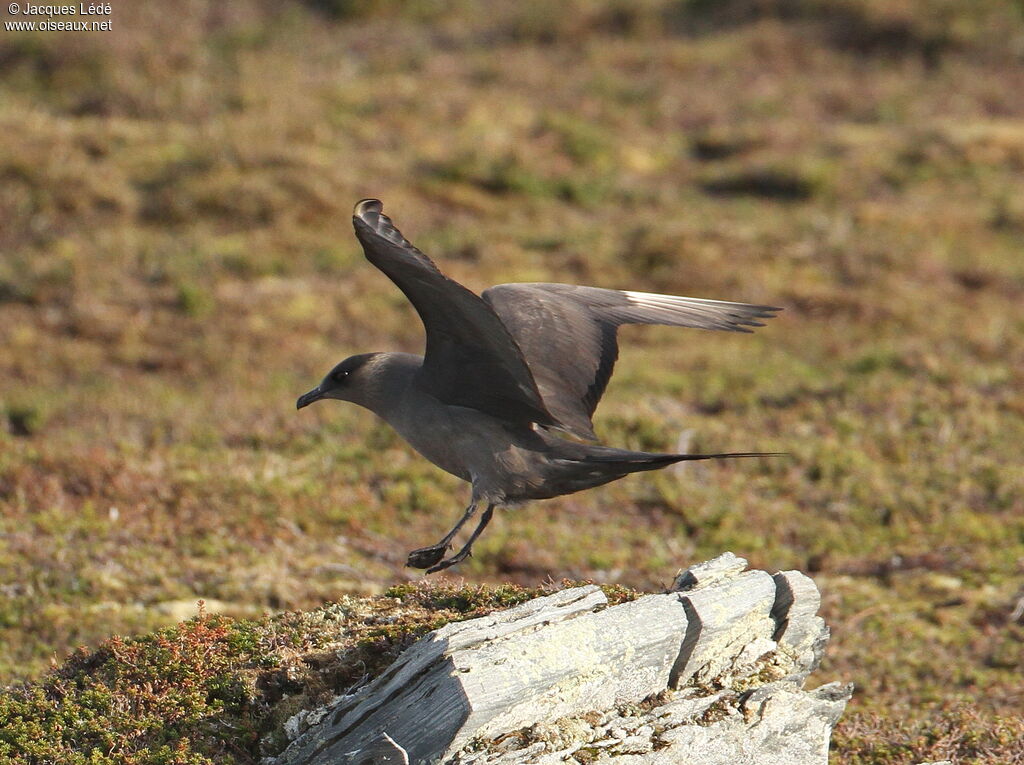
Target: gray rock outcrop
(710,672)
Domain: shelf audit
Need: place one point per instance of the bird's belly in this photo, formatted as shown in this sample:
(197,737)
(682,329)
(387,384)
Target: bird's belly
(438,437)
(472,446)
(445,455)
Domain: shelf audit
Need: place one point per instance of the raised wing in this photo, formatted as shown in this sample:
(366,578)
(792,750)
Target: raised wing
(471,359)
(568,335)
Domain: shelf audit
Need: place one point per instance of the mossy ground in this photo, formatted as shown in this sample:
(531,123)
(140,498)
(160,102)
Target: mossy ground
(177,265)
(216,690)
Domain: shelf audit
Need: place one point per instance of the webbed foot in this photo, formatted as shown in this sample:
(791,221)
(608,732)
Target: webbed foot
(460,556)
(430,558)
(427,557)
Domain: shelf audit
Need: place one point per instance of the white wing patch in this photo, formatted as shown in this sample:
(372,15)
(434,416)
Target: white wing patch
(654,300)
(702,313)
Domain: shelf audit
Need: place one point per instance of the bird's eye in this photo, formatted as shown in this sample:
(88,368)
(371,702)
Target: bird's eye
(341,375)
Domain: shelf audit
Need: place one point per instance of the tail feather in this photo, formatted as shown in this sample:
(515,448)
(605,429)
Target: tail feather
(576,466)
(659,460)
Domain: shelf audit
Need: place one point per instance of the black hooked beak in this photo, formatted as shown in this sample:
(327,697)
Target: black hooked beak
(308,398)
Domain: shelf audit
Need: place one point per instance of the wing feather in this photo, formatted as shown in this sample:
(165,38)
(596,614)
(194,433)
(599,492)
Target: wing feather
(568,335)
(471,359)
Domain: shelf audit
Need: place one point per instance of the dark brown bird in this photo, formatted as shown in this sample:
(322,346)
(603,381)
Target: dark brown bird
(501,372)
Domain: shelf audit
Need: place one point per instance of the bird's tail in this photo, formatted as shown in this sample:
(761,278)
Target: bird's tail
(633,462)
(578,466)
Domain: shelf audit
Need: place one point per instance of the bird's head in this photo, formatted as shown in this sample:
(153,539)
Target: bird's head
(351,380)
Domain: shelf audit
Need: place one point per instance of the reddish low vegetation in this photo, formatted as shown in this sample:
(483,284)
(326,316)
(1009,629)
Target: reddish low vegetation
(177,265)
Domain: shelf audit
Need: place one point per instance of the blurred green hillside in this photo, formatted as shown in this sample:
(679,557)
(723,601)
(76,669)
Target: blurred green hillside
(177,264)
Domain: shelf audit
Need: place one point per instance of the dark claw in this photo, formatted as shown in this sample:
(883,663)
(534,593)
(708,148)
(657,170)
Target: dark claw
(457,558)
(426,557)
(431,556)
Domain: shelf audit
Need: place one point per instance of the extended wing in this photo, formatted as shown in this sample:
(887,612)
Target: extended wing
(471,359)
(568,335)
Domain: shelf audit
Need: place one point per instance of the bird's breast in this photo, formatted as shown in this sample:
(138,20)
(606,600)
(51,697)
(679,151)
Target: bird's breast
(437,432)
(469,444)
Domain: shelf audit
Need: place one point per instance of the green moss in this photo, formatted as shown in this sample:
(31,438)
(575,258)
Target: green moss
(139,701)
(215,689)
(617,594)
(465,600)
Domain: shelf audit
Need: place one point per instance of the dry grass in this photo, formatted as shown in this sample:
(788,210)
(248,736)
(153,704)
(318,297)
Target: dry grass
(177,264)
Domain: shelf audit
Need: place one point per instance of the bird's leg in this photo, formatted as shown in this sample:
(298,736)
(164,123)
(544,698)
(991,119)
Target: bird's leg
(466,550)
(425,557)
